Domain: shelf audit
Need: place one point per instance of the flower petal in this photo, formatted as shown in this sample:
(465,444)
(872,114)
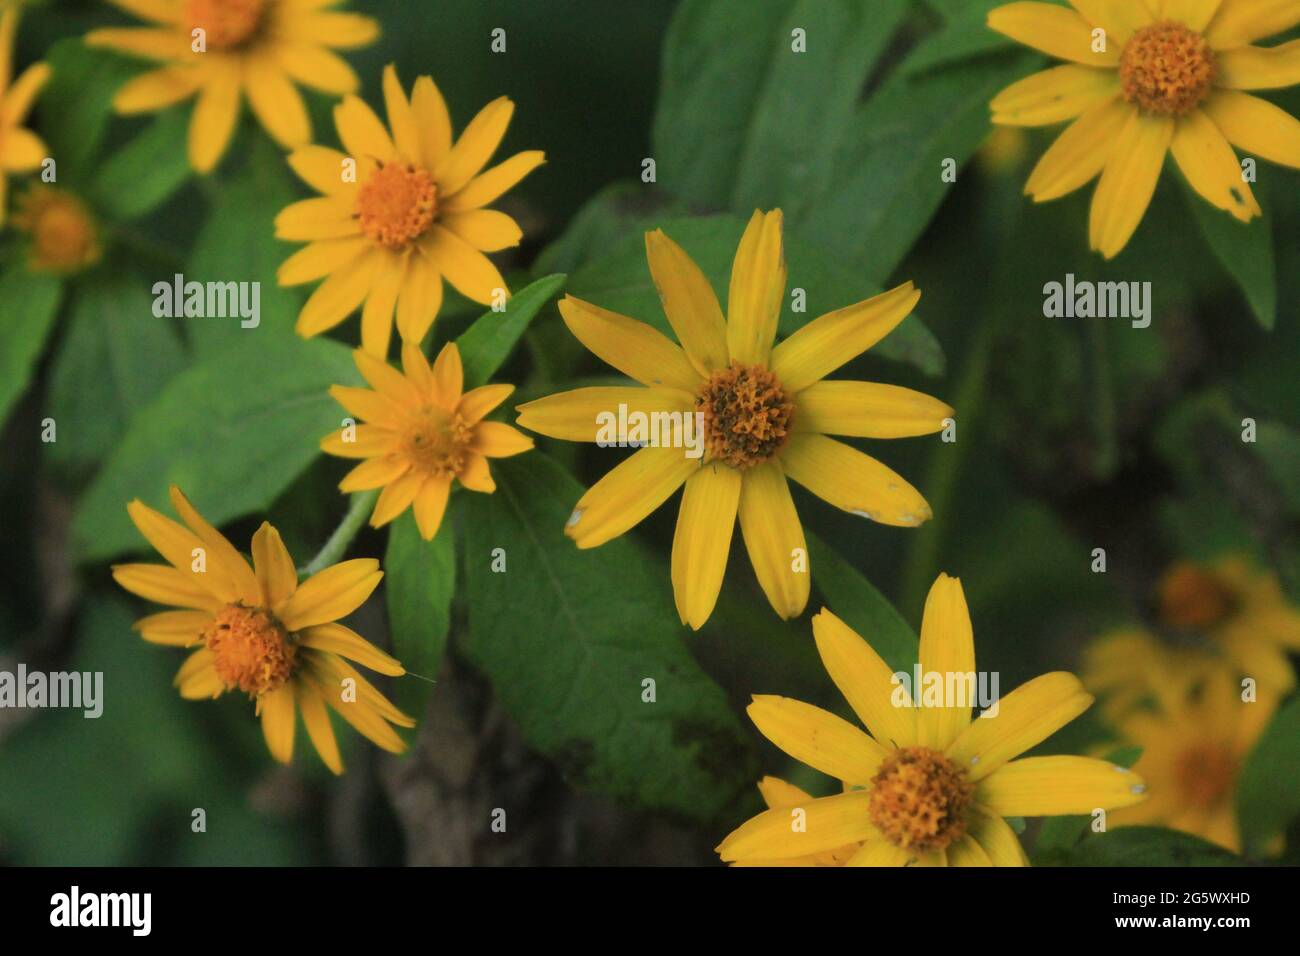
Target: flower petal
(276,102)
(705,523)
(492,183)
(818,738)
(1050,786)
(1129,181)
(1211,166)
(1259,68)
(996,838)
(197,678)
(213,122)
(485,229)
(584,414)
(323,217)
(479,402)
(274,566)
(947,649)
(362,134)
(880,852)
(1239,22)
(828,823)
(316,67)
(689,303)
(1054,95)
(317,721)
(331,594)
(420,299)
(472,273)
(475,147)
(1256,126)
(396,497)
(868,410)
(499,440)
(636,349)
(853,481)
(374,473)
(174,628)
(865,680)
(429,505)
(339,295)
(774,539)
(278,722)
(432,121)
(827,342)
(334,638)
(401,118)
(381,300)
(322,169)
(1057,31)
(319,259)
(629,492)
(757,288)
(155,90)
(229,562)
(1196,14)
(1080,153)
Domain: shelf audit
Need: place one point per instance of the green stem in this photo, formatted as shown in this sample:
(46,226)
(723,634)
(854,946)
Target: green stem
(362,503)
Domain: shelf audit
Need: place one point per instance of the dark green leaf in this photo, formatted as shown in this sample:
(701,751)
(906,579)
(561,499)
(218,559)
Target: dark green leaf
(28,303)
(1268,798)
(419,580)
(232,432)
(114,359)
(1142,846)
(143,174)
(1246,251)
(486,344)
(76,104)
(568,638)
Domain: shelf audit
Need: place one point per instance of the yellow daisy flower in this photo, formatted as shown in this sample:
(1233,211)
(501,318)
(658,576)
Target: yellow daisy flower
(422,431)
(222,50)
(21,150)
(1193,748)
(929,786)
(1146,78)
(262,632)
(64,235)
(765,411)
(1225,614)
(400,213)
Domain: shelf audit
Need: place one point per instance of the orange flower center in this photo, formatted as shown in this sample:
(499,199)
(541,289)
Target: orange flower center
(1167,69)
(1205,774)
(436,442)
(65,237)
(397,204)
(250,649)
(225,23)
(746,415)
(1191,598)
(919,799)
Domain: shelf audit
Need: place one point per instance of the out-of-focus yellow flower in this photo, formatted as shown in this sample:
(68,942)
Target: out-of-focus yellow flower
(1193,746)
(767,414)
(401,211)
(224,50)
(929,786)
(259,631)
(1146,78)
(21,150)
(1003,150)
(422,431)
(64,234)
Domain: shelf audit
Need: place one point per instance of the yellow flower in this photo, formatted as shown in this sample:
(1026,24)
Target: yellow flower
(765,411)
(1227,615)
(400,213)
(262,632)
(21,150)
(1193,748)
(780,795)
(929,786)
(219,50)
(422,431)
(1146,78)
(64,234)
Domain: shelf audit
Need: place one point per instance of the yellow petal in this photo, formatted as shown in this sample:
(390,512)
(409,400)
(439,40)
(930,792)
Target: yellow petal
(367,693)
(155,90)
(868,410)
(1259,68)
(636,349)
(996,838)
(316,719)
(702,540)
(197,679)
(432,121)
(278,722)
(1080,153)
(416,368)
(338,30)
(276,102)
(221,553)
(420,299)
(334,638)
(315,66)
(492,183)
(274,566)
(331,594)
(1129,181)
(853,481)
(150,43)
(866,681)
(1049,786)
(213,122)
(159,11)
(324,217)
(381,300)
(472,273)
(174,628)
(1211,166)
(629,492)
(485,229)
(361,132)
(757,288)
(1023,719)
(386,380)
(164,585)
(374,473)
(322,169)
(967,852)
(369,405)
(880,852)
(181,547)
(476,476)
(818,738)
(1054,95)
(947,649)
(475,147)
(22,151)
(778,793)
(689,302)
(478,402)
(429,506)
(396,497)
(339,296)
(1057,31)
(1196,14)
(448,376)
(319,259)
(15,103)
(774,539)
(822,824)
(827,342)
(499,440)
(1256,126)
(401,118)
(583,414)
(1239,22)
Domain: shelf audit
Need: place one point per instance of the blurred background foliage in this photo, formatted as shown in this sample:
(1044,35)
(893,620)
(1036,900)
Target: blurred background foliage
(1072,434)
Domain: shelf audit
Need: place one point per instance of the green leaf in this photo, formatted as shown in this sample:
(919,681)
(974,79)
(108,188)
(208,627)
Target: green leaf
(147,171)
(419,580)
(568,638)
(76,103)
(621,282)
(486,344)
(1245,250)
(856,602)
(1267,796)
(1142,846)
(238,244)
(743,119)
(233,432)
(114,359)
(29,304)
